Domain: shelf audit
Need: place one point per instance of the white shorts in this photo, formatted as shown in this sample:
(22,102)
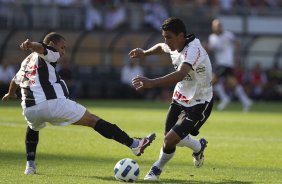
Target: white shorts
(58,112)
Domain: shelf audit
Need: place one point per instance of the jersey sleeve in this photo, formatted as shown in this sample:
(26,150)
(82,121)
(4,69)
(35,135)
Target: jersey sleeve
(50,55)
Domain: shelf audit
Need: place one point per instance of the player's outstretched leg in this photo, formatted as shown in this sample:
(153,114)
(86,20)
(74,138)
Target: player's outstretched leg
(143,144)
(199,157)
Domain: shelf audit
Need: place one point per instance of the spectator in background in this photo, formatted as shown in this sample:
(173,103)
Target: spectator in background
(274,86)
(240,73)
(154,14)
(66,73)
(8,15)
(258,81)
(226,6)
(115,16)
(67,3)
(7,72)
(93,15)
(128,72)
(226,50)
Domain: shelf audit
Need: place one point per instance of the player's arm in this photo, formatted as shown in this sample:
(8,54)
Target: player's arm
(33,46)
(170,79)
(12,91)
(139,53)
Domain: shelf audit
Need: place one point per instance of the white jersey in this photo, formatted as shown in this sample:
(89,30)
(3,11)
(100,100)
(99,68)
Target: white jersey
(38,78)
(223,47)
(196,87)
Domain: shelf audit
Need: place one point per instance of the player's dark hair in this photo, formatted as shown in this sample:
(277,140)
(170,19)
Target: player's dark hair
(53,37)
(174,25)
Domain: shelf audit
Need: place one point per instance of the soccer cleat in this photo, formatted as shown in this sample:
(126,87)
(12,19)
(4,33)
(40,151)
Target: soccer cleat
(199,157)
(247,105)
(30,170)
(143,144)
(223,103)
(153,174)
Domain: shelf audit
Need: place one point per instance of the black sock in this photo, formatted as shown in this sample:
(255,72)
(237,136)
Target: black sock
(112,131)
(31,141)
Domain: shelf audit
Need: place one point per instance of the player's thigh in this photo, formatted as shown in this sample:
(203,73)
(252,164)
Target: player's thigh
(87,119)
(64,112)
(34,116)
(189,124)
(173,114)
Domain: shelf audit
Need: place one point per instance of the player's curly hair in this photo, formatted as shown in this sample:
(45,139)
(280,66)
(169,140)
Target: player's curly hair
(53,37)
(174,25)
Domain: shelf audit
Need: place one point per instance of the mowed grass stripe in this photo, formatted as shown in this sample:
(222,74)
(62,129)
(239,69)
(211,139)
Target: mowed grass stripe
(243,148)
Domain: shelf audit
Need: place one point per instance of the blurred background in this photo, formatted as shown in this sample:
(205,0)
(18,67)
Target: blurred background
(100,34)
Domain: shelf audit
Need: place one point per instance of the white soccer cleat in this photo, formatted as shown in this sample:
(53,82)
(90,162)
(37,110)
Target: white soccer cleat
(143,144)
(30,170)
(223,103)
(247,105)
(199,157)
(153,174)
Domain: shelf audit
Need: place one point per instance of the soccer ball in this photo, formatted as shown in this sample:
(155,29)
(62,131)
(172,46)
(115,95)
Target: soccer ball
(126,170)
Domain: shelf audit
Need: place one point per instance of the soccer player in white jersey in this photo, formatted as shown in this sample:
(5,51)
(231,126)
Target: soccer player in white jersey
(225,48)
(192,98)
(45,99)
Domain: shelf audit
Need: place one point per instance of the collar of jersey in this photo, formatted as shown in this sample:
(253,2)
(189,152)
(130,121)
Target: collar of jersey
(189,38)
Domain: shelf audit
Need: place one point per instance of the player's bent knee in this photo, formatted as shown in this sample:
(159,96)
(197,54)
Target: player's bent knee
(171,139)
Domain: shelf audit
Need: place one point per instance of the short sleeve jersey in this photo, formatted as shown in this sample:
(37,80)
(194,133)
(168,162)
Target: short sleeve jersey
(196,86)
(223,47)
(38,78)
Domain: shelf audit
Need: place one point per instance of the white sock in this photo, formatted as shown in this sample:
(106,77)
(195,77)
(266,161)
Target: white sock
(242,96)
(163,159)
(219,89)
(191,143)
(30,163)
(135,143)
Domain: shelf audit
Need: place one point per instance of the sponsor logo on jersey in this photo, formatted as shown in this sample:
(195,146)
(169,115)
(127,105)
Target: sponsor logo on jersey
(188,78)
(200,69)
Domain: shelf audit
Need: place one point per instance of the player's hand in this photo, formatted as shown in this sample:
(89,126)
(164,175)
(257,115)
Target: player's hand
(9,96)
(26,45)
(136,53)
(140,82)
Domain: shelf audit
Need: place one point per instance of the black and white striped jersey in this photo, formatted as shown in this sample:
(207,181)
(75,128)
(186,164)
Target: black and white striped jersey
(38,78)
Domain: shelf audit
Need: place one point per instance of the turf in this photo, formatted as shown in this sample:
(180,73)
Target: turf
(243,148)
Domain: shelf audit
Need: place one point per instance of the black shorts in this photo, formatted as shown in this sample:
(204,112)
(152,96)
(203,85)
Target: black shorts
(187,120)
(223,71)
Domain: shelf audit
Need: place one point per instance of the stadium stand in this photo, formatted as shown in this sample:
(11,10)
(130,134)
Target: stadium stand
(99,54)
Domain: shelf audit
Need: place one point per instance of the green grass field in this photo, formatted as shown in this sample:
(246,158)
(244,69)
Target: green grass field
(243,148)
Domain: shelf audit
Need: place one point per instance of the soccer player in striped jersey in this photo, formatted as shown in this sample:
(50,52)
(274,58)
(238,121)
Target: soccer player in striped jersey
(192,98)
(45,99)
